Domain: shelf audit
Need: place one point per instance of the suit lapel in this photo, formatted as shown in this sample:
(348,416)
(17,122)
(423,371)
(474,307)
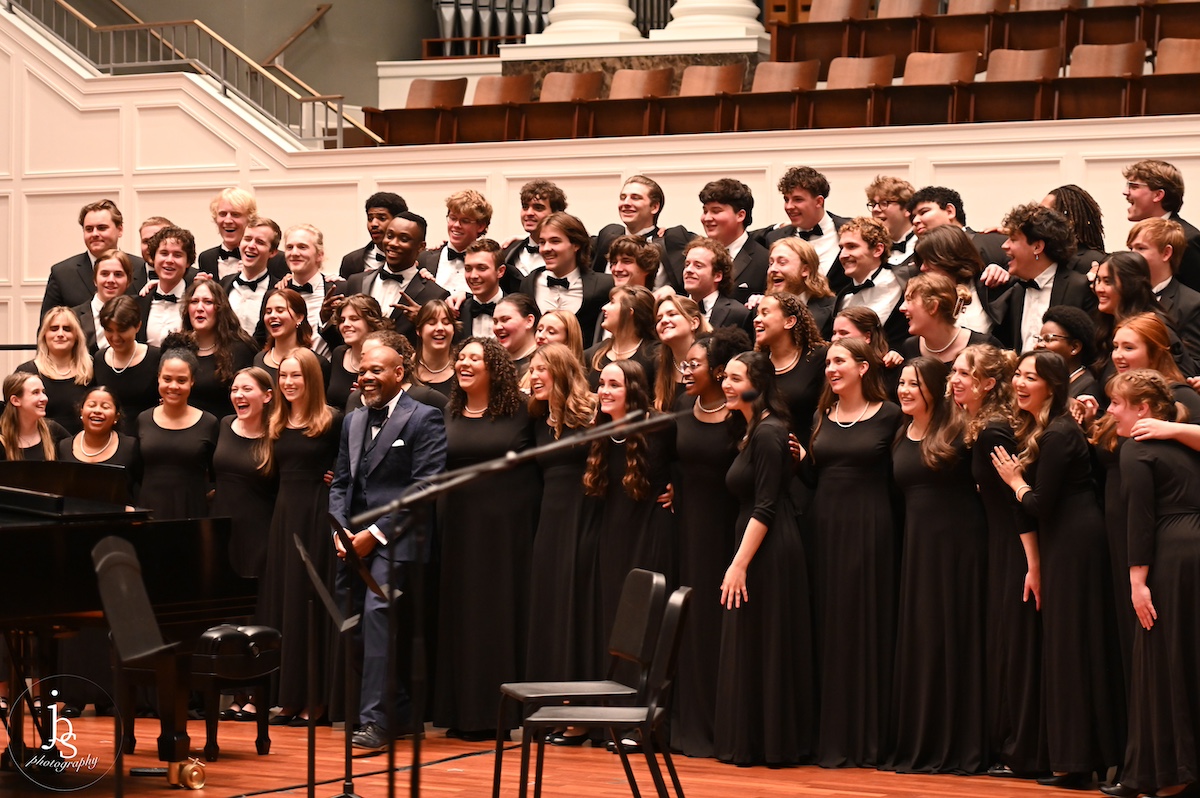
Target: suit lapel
(1018,313)
(86,273)
(357,420)
(741,261)
(720,310)
(390,432)
(1058,288)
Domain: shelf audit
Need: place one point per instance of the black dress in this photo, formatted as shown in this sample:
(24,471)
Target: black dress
(247,496)
(1084,384)
(912,344)
(260,360)
(63,398)
(646,356)
(125,456)
(1081,684)
(938,692)
(176,463)
(36,452)
(486,533)
(553,590)
(801,387)
(212,394)
(301,508)
(765,698)
(341,381)
(1014,626)
(705,519)
(857,541)
(136,387)
(1161,485)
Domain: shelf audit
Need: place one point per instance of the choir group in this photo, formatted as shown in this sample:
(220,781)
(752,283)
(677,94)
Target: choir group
(938,490)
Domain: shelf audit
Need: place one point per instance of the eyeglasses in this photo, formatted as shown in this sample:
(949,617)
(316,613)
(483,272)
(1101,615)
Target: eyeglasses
(881,204)
(1133,185)
(1049,338)
(689,365)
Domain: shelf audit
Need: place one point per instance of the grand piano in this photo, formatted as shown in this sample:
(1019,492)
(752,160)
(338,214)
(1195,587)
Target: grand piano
(51,515)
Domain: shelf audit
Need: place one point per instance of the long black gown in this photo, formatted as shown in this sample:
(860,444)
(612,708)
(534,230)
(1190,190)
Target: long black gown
(939,722)
(246,495)
(858,542)
(705,518)
(765,697)
(1161,485)
(212,394)
(552,653)
(135,387)
(1014,626)
(301,508)
(176,464)
(801,387)
(486,532)
(341,381)
(62,398)
(1081,684)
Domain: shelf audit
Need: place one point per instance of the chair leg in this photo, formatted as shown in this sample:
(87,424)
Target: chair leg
(652,762)
(665,747)
(616,738)
(499,747)
(526,737)
(541,764)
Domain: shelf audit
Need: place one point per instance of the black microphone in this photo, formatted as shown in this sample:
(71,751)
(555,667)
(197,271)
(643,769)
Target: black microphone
(750,395)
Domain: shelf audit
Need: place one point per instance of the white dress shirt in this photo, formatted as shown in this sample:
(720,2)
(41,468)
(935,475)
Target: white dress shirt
(569,299)
(526,262)
(907,246)
(312,303)
(165,317)
(228,266)
(451,274)
(246,301)
(101,338)
(882,296)
(1036,305)
(483,326)
(826,244)
(387,292)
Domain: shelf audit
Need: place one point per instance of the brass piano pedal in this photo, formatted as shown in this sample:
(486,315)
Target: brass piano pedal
(189,774)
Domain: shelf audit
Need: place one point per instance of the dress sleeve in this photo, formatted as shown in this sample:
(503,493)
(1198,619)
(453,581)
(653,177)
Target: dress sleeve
(1056,453)
(769,455)
(1138,495)
(989,438)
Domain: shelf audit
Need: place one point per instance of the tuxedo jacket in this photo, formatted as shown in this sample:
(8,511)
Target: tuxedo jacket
(749,271)
(822,313)
(510,282)
(728,312)
(1189,269)
(144,302)
(1068,288)
(206,262)
(670,242)
(895,326)
(73,282)
(990,246)
(595,295)
(355,262)
(1183,306)
(419,290)
(87,322)
(836,277)
(408,450)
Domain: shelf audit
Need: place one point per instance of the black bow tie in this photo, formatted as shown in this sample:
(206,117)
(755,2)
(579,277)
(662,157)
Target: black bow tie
(387,274)
(377,255)
(377,416)
(810,233)
(453,254)
(300,289)
(251,284)
(854,289)
(484,308)
(165,297)
(900,246)
(561,282)
(531,248)
(1029,285)
(229,254)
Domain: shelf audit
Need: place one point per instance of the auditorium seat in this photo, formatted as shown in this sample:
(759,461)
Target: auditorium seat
(1016,87)
(494,113)
(426,117)
(1177,19)
(698,106)
(851,95)
(900,27)
(933,89)
(1038,24)
(630,109)
(829,33)
(1110,22)
(968,25)
(1172,87)
(777,99)
(560,112)
(1100,80)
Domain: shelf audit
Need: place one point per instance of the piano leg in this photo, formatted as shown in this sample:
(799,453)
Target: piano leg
(172,683)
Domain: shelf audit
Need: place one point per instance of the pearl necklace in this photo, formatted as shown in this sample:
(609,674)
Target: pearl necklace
(121,370)
(703,409)
(100,451)
(437,371)
(619,355)
(837,415)
(473,411)
(953,340)
(789,366)
(63,374)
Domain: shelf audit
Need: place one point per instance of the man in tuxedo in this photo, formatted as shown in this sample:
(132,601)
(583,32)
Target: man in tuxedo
(113,274)
(1042,282)
(381,208)
(887,200)
(387,446)
(72,281)
(248,291)
(1162,243)
(864,243)
(804,191)
(304,251)
(800,274)
(708,279)
(146,235)
(539,199)
(639,205)
(231,209)
(398,284)
(484,272)
(173,250)
(1154,189)
(727,209)
(468,215)
(933,206)
(563,284)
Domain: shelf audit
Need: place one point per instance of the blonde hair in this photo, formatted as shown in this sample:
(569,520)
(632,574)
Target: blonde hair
(241,200)
(815,284)
(941,296)
(1137,386)
(571,329)
(81,361)
(572,404)
(664,379)
(315,414)
(10,423)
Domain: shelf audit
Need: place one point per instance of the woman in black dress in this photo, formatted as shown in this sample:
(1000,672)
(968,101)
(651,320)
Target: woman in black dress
(857,547)
(285,318)
(706,442)
(514,321)
(1123,290)
(1052,479)
(933,304)
(938,718)
(950,252)
(1071,333)
(358,317)
(981,385)
(100,442)
(222,347)
(786,332)
(437,324)
(862,322)
(678,321)
(1160,489)
(63,363)
(25,431)
(560,327)
(486,533)
(765,695)
(305,433)
(628,317)
(127,367)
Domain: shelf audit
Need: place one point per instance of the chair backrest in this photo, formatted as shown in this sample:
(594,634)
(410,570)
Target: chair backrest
(639,614)
(558,87)
(902,9)
(428,93)
(959,7)
(1014,65)
(1047,5)
(859,73)
(1177,57)
(502,89)
(1110,3)
(786,75)
(934,69)
(838,10)
(634,84)
(127,607)
(705,81)
(1107,60)
(666,653)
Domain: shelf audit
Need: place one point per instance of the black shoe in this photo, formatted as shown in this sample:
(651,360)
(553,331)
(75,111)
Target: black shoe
(562,738)
(246,716)
(1001,771)
(282,719)
(371,737)
(70,711)
(1067,781)
(1119,790)
(303,722)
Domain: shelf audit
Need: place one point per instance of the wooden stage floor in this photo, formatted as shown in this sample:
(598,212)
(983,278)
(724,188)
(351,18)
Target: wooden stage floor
(453,768)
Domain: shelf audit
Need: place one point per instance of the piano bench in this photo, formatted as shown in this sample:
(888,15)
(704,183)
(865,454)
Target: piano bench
(228,657)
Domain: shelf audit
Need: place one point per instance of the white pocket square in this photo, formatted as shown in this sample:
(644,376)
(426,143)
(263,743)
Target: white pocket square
(397,442)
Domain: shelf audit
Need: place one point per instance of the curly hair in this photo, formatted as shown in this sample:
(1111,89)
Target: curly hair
(805,333)
(872,382)
(503,395)
(1078,326)
(1137,386)
(1038,223)
(945,425)
(544,189)
(990,362)
(572,405)
(889,187)
(226,327)
(368,310)
(636,481)
(872,232)
(803,177)
(1030,426)
(722,261)
(734,193)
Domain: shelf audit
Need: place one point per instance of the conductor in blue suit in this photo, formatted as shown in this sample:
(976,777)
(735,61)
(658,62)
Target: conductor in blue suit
(388,445)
